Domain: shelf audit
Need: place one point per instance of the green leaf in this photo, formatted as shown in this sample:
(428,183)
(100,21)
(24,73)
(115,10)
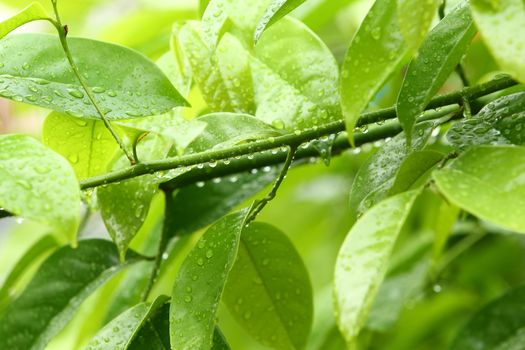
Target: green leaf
(415,18)
(56,291)
(200,283)
(127,86)
(219,342)
(500,24)
(203,4)
(277,10)
(285,95)
(499,122)
(268,289)
(86,144)
(377,175)
(500,325)
(438,56)
(486,181)
(363,260)
(121,331)
(154,335)
(377,50)
(38,184)
(414,169)
(33,12)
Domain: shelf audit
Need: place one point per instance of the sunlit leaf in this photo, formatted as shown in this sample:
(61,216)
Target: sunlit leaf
(56,291)
(415,18)
(277,10)
(438,56)
(33,12)
(200,283)
(377,50)
(487,182)
(268,289)
(38,184)
(501,24)
(126,86)
(363,260)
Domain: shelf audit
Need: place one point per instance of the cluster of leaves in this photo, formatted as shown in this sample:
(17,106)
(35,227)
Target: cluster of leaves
(253,74)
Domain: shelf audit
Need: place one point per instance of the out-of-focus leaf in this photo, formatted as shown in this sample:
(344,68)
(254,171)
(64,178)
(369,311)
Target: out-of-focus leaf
(499,325)
(415,18)
(488,182)
(33,12)
(501,24)
(377,50)
(414,168)
(277,10)
(58,288)
(127,86)
(363,260)
(438,57)
(38,184)
(268,289)
(377,175)
(200,283)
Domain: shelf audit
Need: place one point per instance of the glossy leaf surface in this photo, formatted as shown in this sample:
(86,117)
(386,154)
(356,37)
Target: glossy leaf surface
(127,86)
(415,168)
(33,12)
(268,289)
(277,10)
(415,18)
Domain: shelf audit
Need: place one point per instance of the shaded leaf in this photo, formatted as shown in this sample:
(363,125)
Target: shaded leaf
(277,10)
(415,168)
(33,12)
(415,18)
(38,184)
(154,335)
(268,289)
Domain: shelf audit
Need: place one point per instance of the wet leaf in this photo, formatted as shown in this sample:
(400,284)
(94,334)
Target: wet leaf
(33,12)
(200,283)
(154,334)
(363,260)
(127,86)
(415,18)
(38,184)
(277,10)
(488,182)
(414,169)
(377,50)
(438,56)
(268,290)
(56,291)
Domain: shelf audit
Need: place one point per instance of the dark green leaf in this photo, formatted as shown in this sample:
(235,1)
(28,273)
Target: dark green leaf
(268,289)
(414,169)
(58,288)
(219,342)
(438,56)
(277,10)
(33,12)
(488,182)
(154,335)
(126,86)
(200,283)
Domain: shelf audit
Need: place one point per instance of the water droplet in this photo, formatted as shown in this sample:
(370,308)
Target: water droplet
(75,93)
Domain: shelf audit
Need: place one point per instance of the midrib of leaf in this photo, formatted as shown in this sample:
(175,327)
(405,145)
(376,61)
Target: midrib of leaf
(266,288)
(90,161)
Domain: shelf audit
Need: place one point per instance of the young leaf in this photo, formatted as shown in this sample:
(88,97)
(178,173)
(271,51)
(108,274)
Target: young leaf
(268,289)
(33,12)
(377,50)
(87,144)
(127,86)
(438,57)
(363,260)
(200,283)
(56,291)
(486,181)
(415,18)
(500,24)
(38,184)
(120,332)
(277,10)
(499,325)
(376,177)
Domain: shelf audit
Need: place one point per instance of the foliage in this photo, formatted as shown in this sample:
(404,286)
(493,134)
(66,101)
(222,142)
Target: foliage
(286,174)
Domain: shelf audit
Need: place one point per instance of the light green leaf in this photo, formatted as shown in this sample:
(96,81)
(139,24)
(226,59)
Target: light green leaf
(415,18)
(414,169)
(38,184)
(56,291)
(203,4)
(200,283)
(277,10)
(377,175)
(363,260)
(500,325)
(86,144)
(121,331)
(501,24)
(377,50)
(438,57)
(268,289)
(127,86)
(262,83)
(488,182)
(33,12)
